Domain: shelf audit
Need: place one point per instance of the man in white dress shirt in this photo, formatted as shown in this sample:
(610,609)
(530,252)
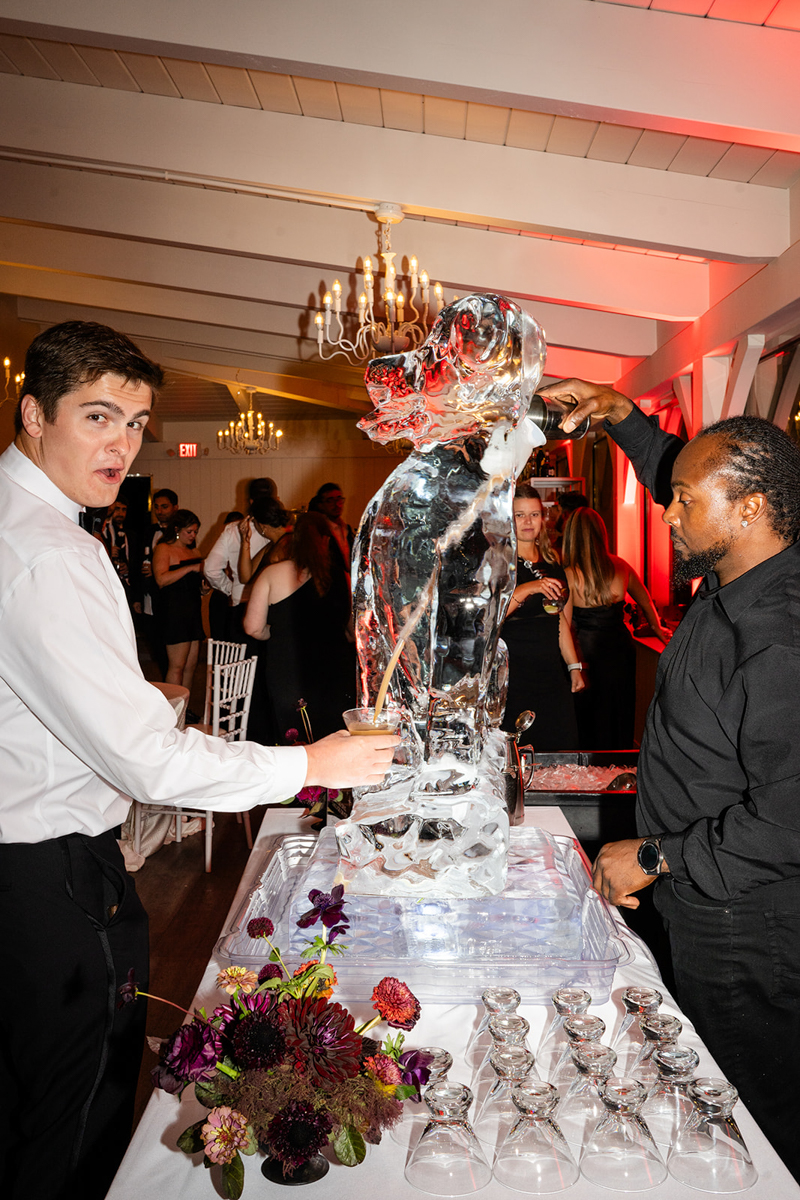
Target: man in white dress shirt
(82,733)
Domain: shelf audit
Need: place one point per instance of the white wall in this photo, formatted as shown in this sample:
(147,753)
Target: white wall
(311,453)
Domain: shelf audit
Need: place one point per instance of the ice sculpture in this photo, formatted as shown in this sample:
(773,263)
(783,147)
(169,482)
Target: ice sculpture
(433,556)
(433,567)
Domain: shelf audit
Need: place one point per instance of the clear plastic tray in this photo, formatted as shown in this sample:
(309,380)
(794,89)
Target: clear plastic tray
(547,929)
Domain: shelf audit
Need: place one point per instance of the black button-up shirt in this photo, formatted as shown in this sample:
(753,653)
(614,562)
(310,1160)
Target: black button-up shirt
(719,766)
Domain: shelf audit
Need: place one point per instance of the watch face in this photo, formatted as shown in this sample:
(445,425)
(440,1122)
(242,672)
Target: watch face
(649,856)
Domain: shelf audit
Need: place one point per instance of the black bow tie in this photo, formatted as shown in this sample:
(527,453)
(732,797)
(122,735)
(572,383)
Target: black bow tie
(91,519)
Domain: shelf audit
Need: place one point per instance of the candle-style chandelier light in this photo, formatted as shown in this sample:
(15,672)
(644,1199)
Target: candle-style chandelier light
(10,393)
(387,324)
(250,434)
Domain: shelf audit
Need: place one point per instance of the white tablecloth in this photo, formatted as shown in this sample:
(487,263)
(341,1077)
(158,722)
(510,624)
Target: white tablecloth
(154,1167)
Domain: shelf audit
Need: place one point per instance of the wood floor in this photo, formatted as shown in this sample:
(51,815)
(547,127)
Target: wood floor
(187,908)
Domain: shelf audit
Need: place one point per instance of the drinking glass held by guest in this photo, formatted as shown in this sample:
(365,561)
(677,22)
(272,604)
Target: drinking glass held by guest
(300,611)
(543,665)
(178,571)
(599,582)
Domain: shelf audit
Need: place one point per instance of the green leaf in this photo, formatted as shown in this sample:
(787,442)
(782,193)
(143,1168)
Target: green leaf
(394,1046)
(349,1146)
(252,1141)
(208,1094)
(274,956)
(404,1091)
(190,1140)
(233,1178)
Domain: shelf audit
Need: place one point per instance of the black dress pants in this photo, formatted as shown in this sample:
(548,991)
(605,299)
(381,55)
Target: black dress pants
(737,976)
(72,927)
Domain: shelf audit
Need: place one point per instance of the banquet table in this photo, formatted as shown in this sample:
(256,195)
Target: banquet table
(154,1167)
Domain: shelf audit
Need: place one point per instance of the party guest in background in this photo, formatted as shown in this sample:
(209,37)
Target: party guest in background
(222,561)
(178,571)
(598,583)
(543,665)
(218,605)
(299,612)
(329,500)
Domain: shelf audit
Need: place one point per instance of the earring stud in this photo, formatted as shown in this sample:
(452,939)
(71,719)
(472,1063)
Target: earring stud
(744,524)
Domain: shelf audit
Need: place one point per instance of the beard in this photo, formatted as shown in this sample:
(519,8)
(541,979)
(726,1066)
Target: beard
(694,566)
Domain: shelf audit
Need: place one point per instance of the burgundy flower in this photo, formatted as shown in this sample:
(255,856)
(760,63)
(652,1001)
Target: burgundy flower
(189,1055)
(260,927)
(323,1039)
(128,991)
(258,1042)
(312,794)
(416,1069)
(269,971)
(263,1002)
(325,905)
(297,1133)
(396,1003)
(292,736)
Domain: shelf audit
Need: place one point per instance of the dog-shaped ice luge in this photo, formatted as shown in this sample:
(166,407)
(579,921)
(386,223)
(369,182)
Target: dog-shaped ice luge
(433,556)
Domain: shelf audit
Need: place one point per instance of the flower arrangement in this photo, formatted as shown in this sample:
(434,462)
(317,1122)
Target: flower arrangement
(282,1066)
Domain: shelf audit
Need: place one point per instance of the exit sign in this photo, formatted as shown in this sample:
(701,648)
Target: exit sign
(187,449)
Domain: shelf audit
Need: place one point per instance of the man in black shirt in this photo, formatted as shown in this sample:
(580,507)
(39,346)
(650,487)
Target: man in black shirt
(718,802)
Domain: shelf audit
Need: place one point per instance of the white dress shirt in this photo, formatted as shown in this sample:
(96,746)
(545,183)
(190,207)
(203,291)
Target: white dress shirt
(225,553)
(82,731)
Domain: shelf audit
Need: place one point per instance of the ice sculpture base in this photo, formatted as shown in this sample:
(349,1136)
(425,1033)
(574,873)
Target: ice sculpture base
(408,840)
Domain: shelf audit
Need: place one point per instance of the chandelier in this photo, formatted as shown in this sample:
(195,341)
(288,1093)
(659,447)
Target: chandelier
(10,393)
(394,328)
(250,434)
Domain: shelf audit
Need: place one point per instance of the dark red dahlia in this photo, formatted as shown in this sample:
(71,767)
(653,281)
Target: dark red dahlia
(322,1036)
(260,927)
(297,1132)
(396,1003)
(269,971)
(258,1042)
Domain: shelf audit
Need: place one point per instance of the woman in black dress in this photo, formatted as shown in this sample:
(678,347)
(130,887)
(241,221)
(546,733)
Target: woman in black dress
(299,610)
(599,582)
(543,666)
(178,571)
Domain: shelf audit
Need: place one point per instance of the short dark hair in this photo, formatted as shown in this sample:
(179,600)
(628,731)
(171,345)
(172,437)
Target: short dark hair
(182,518)
(327,487)
(168,494)
(268,511)
(571,501)
(757,456)
(68,355)
(263,486)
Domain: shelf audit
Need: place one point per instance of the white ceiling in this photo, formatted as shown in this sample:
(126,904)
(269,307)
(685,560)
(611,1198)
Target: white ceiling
(198,174)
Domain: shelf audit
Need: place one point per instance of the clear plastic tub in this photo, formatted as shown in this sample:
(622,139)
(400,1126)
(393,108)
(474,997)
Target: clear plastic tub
(549,927)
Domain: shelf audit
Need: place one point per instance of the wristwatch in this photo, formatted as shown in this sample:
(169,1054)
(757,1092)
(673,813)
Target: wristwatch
(651,860)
